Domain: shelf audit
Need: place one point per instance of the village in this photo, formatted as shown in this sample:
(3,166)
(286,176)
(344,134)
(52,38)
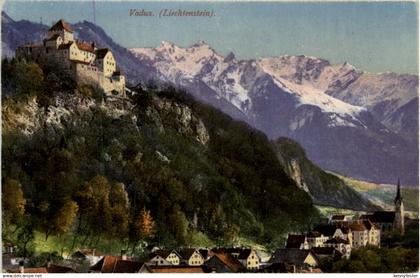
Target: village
(335,238)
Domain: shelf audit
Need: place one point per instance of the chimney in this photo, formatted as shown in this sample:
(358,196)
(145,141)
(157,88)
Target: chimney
(48,263)
(123,255)
(22,267)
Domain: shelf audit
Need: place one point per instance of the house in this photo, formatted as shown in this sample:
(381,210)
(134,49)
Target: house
(115,264)
(224,263)
(374,232)
(327,252)
(341,245)
(172,269)
(297,241)
(360,235)
(315,239)
(83,61)
(165,257)
(299,258)
(90,255)
(249,259)
(191,256)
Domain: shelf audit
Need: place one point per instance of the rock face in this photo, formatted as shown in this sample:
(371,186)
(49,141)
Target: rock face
(324,188)
(307,99)
(185,121)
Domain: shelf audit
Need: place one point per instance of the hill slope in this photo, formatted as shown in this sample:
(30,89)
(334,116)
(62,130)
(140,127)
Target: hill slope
(326,189)
(194,168)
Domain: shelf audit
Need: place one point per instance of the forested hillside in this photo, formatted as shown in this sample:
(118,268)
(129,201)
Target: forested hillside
(157,168)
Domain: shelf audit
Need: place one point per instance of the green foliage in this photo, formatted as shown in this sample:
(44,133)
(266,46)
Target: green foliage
(372,259)
(112,168)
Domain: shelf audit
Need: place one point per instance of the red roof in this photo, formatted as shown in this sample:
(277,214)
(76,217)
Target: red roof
(175,269)
(60,25)
(85,46)
(228,260)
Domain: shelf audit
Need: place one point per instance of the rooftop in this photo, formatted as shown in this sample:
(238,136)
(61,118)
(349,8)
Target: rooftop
(60,25)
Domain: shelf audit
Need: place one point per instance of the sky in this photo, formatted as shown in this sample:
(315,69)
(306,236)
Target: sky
(373,36)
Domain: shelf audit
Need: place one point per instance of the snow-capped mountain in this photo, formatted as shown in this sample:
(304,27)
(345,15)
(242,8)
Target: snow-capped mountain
(293,96)
(391,98)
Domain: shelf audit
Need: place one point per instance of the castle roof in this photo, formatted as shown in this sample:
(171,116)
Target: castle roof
(60,25)
(89,47)
(65,45)
(100,53)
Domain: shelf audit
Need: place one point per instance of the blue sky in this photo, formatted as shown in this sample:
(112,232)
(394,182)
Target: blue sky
(373,36)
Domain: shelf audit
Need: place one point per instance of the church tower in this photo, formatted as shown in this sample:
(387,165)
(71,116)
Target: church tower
(399,210)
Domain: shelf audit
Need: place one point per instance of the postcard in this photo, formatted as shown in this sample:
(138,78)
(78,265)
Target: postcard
(209,137)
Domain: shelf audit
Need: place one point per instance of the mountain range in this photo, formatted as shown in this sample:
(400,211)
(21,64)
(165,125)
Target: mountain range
(356,123)
(359,124)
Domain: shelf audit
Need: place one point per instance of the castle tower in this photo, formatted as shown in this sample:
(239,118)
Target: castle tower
(62,29)
(399,210)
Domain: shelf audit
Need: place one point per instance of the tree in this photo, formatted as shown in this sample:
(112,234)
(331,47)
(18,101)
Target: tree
(65,217)
(119,205)
(178,225)
(25,235)
(100,216)
(13,201)
(142,227)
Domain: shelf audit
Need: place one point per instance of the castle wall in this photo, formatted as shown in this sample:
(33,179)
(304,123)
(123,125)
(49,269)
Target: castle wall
(91,74)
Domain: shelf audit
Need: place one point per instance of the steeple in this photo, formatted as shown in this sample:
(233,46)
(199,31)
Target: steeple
(398,197)
(399,210)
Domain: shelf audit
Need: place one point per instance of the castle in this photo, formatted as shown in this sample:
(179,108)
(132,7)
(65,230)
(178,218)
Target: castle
(83,61)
